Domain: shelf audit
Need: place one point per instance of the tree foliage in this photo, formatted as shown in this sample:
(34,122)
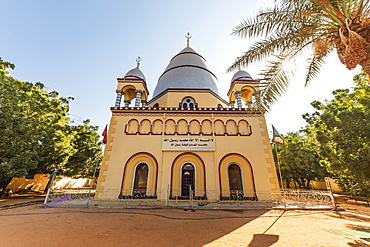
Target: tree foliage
(311,28)
(4,66)
(88,155)
(342,128)
(299,160)
(36,133)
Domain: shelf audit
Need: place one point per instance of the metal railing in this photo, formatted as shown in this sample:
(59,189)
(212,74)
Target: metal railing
(196,198)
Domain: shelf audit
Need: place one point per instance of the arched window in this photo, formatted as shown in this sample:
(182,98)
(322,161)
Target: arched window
(141,179)
(188,102)
(156,105)
(235,180)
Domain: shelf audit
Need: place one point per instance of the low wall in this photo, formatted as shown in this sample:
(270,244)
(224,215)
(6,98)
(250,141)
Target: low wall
(39,182)
(318,185)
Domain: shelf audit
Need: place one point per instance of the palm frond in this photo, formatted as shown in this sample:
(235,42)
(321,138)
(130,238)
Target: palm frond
(260,50)
(291,26)
(315,63)
(278,81)
(277,19)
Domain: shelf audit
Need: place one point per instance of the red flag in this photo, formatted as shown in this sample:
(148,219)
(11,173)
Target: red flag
(276,136)
(105,134)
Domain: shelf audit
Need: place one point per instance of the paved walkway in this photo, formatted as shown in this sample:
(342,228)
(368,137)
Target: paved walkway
(21,198)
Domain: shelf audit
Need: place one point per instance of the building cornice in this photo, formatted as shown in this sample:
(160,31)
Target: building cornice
(190,111)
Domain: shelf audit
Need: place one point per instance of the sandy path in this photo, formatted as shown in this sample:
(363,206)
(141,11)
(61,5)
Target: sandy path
(34,226)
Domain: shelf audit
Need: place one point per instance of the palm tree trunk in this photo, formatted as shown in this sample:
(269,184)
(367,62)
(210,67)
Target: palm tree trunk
(365,64)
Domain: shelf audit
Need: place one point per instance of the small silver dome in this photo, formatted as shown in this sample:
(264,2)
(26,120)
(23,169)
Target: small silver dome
(241,75)
(134,74)
(186,70)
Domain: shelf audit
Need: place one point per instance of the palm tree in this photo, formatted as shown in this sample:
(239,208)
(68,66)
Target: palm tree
(313,28)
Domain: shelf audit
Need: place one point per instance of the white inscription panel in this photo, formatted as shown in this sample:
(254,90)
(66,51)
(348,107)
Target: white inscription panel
(188,143)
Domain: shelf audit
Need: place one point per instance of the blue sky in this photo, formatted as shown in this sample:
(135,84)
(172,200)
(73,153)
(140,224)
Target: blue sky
(80,48)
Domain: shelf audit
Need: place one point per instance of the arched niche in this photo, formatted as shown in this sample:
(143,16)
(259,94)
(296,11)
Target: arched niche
(145,127)
(246,174)
(206,127)
(194,127)
(128,180)
(157,127)
(243,128)
(132,127)
(170,127)
(182,127)
(231,128)
(219,127)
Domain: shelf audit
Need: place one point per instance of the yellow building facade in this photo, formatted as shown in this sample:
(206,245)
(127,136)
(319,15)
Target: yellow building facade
(186,142)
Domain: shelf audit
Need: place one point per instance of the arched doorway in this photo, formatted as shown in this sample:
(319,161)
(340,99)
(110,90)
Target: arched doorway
(187,180)
(188,170)
(140,180)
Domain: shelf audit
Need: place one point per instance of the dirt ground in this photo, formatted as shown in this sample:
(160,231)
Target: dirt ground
(36,226)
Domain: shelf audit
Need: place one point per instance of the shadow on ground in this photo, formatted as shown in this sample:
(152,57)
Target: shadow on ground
(263,240)
(123,227)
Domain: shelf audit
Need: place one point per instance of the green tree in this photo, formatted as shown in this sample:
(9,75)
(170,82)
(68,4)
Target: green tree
(47,113)
(299,161)
(88,153)
(311,28)
(37,135)
(4,66)
(31,126)
(342,127)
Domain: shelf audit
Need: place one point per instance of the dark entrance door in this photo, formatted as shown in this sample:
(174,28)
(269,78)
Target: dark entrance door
(187,180)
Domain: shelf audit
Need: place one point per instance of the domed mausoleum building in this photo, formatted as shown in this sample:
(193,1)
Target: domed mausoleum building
(187,143)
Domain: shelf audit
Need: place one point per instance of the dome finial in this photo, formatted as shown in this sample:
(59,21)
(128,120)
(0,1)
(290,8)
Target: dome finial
(138,60)
(188,37)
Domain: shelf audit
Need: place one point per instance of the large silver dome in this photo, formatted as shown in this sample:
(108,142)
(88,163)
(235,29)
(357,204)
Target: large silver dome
(186,70)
